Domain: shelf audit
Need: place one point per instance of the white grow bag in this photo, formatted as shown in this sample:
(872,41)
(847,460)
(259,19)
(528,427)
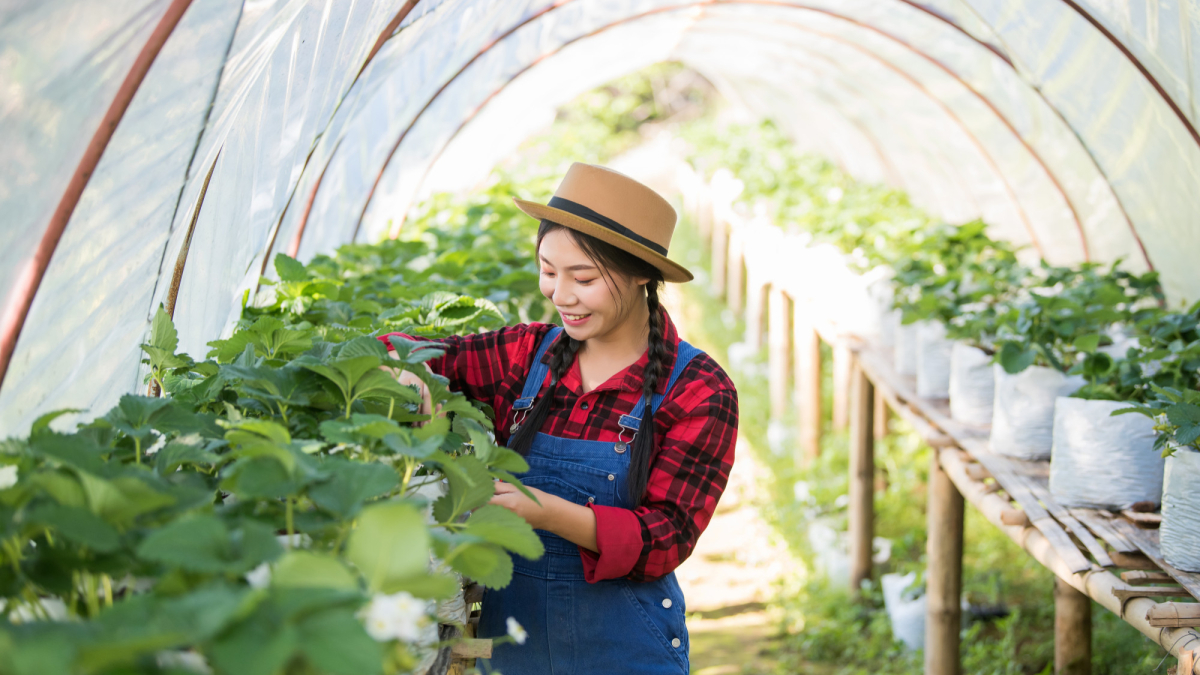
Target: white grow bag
(972,385)
(1179,534)
(1103,462)
(905,348)
(933,360)
(1023,411)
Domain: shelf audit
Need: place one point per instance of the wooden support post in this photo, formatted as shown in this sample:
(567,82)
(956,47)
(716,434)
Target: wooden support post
(1072,630)
(862,478)
(808,385)
(943,577)
(719,255)
(779,339)
(842,364)
(735,272)
(757,290)
(704,216)
(882,416)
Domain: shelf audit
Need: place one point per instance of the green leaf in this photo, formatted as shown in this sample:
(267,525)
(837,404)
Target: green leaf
(497,525)
(197,543)
(1088,343)
(488,564)
(471,486)
(390,543)
(335,642)
(351,484)
(203,543)
(1183,414)
(306,569)
(260,645)
(162,332)
(290,269)
(78,525)
(1014,359)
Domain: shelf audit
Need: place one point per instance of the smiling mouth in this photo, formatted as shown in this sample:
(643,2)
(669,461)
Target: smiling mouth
(575,317)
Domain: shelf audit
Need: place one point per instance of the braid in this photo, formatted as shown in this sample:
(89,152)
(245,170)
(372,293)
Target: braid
(562,355)
(643,443)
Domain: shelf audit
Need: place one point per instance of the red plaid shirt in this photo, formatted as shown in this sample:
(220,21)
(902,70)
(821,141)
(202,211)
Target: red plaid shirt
(696,428)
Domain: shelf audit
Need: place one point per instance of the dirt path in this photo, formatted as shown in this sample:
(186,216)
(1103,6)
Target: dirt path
(729,579)
(728,582)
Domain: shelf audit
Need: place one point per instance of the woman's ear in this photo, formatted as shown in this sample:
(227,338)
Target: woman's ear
(641,281)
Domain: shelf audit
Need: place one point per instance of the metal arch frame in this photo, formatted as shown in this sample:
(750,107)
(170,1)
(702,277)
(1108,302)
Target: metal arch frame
(1137,63)
(788,5)
(31,279)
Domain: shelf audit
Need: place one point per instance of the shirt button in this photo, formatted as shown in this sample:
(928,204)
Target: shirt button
(583,406)
(611,477)
(667,603)
(675,642)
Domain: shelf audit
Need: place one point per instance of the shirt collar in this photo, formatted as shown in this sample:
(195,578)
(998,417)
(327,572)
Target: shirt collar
(633,376)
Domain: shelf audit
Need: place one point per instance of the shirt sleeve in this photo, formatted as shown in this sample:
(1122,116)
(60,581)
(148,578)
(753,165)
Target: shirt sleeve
(689,474)
(477,365)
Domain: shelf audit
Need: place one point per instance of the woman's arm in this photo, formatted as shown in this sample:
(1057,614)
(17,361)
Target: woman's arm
(477,365)
(575,523)
(690,470)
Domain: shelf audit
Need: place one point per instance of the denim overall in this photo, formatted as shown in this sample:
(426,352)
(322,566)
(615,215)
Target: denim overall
(577,628)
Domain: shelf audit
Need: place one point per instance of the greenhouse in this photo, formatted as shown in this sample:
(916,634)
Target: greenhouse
(943,250)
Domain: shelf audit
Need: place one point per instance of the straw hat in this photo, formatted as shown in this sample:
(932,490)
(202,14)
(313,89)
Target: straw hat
(616,209)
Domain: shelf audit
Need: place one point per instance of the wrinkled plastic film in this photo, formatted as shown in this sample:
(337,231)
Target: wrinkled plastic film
(1103,462)
(1179,533)
(972,386)
(933,360)
(1023,412)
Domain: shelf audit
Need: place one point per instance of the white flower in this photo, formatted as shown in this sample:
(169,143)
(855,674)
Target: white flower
(259,577)
(399,616)
(297,540)
(189,661)
(8,476)
(516,631)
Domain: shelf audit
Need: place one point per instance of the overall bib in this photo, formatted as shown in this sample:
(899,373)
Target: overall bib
(577,628)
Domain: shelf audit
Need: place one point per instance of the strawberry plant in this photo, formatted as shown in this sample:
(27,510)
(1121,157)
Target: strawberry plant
(1064,321)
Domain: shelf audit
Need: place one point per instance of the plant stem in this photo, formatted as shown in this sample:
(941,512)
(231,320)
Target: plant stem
(409,467)
(137,450)
(290,526)
(108,592)
(90,594)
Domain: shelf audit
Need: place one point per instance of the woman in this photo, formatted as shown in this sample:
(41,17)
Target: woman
(629,434)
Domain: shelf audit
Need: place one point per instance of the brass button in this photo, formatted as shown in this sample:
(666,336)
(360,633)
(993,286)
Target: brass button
(620,448)
(591,500)
(611,477)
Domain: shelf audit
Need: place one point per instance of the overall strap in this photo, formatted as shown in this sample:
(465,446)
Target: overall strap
(537,372)
(683,356)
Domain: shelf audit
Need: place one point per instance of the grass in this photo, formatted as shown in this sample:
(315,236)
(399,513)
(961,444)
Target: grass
(822,630)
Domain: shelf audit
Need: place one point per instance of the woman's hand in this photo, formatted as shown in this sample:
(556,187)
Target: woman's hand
(537,515)
(407,378)
(575,523)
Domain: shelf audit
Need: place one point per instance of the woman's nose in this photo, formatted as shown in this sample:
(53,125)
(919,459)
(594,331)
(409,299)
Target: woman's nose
(562,296)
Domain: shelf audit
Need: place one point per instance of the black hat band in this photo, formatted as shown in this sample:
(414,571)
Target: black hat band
(577,209)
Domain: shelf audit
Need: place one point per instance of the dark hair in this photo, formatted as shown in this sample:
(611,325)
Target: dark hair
(609,259)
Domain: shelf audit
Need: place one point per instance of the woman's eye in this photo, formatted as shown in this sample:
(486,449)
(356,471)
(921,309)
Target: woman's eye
(584,282)
(547,274)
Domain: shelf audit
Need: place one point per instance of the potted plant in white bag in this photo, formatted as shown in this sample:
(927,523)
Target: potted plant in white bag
(1174,348)
(945,270)
(1043,338)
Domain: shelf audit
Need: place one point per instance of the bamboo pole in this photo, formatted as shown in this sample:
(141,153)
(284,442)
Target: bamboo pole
(735,271)
(758,289)
(719,253)
(779,339)
(883,415)
(807,383)
(1097,583)
(1072,630)
(943,579)
(843,361)
(862,477)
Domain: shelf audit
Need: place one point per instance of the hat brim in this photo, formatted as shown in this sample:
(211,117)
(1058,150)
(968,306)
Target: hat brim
(671,270)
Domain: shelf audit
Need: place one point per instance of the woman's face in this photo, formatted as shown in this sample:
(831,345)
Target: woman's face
(592,303)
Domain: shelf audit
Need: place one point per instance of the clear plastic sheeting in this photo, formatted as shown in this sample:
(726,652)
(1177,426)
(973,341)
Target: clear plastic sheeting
(1068,128)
